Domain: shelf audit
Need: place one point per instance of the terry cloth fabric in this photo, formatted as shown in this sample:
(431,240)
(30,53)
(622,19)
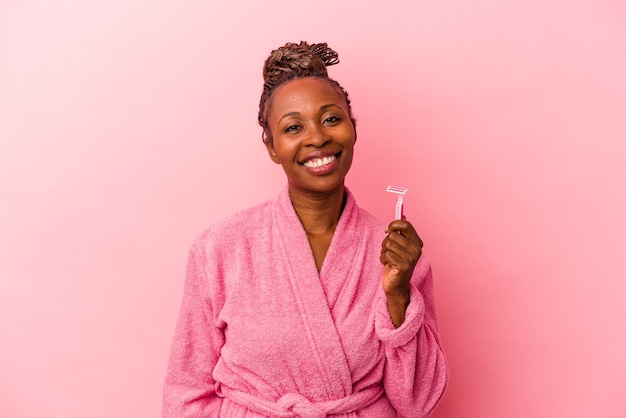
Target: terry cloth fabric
(262,333)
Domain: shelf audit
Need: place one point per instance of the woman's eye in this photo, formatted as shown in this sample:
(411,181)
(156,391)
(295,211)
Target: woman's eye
(292,128)
(331,119)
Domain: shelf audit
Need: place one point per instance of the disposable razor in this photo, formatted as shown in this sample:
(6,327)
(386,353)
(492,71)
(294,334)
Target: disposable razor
(400,191)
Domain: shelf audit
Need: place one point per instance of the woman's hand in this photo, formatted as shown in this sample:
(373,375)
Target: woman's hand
(401,249)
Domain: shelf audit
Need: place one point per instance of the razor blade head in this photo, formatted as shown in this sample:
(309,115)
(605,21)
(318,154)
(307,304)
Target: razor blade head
(397,190)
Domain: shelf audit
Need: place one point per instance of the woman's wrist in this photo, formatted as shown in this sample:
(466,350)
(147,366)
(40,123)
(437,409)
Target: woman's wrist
(397,304)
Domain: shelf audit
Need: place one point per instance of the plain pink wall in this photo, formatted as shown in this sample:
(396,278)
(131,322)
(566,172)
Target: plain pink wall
(126,127)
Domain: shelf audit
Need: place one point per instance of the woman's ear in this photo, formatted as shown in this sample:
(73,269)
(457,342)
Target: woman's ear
(271,151)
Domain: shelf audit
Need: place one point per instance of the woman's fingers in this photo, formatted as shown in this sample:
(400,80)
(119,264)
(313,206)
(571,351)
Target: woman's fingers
(401,249)
(406,229)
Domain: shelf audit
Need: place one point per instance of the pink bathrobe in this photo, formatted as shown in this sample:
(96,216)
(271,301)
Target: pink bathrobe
(261,333)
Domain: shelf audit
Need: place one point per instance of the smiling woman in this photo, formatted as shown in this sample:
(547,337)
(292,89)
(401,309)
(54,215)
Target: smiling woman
(306,306)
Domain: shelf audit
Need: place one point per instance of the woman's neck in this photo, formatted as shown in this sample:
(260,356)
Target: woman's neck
(319,213)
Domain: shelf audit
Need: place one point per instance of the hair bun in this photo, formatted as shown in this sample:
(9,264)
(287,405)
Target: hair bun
(326,54)
(298,60)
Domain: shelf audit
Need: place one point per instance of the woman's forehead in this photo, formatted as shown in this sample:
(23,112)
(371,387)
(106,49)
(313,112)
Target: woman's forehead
(305,93)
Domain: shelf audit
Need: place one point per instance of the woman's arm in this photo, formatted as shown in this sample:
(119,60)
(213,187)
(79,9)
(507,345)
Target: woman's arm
(416,372)
(189,389)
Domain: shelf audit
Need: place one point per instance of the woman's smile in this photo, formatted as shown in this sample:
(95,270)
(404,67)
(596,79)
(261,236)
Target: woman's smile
(319,162)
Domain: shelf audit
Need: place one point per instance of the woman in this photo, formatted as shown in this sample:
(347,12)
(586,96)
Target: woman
(306,305)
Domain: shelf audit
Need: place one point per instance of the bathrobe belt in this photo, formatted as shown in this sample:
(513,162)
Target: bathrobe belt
(292,405)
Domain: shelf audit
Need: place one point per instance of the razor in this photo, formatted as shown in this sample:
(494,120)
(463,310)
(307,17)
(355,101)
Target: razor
(400,191)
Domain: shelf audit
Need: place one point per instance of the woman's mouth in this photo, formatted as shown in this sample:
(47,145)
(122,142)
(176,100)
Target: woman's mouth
(321,165)
(319,162)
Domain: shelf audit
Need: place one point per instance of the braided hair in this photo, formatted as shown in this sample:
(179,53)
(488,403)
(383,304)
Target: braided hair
(293,61)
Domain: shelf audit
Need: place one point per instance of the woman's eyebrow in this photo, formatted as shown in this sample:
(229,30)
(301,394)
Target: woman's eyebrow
(288,114)
(326,106)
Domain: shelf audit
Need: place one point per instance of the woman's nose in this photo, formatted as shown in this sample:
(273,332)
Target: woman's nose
(317,136)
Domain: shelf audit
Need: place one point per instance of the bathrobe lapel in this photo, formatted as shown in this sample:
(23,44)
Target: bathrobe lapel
(343,262)
(311,289)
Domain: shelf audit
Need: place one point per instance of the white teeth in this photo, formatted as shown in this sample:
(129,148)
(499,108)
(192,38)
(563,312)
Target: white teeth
(319,162)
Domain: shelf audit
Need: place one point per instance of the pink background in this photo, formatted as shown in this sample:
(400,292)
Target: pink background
(128,126)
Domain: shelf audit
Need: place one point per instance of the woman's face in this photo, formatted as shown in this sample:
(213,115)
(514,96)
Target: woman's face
(313,135)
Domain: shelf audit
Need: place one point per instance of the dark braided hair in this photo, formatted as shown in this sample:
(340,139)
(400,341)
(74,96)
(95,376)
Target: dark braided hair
(293,61)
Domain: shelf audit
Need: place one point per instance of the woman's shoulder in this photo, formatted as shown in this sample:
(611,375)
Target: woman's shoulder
(372,223)
(369,220)
(236,227)
(372,220)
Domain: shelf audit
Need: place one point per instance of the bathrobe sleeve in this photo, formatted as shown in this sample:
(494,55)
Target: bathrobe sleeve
(189,389)
(415,375)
